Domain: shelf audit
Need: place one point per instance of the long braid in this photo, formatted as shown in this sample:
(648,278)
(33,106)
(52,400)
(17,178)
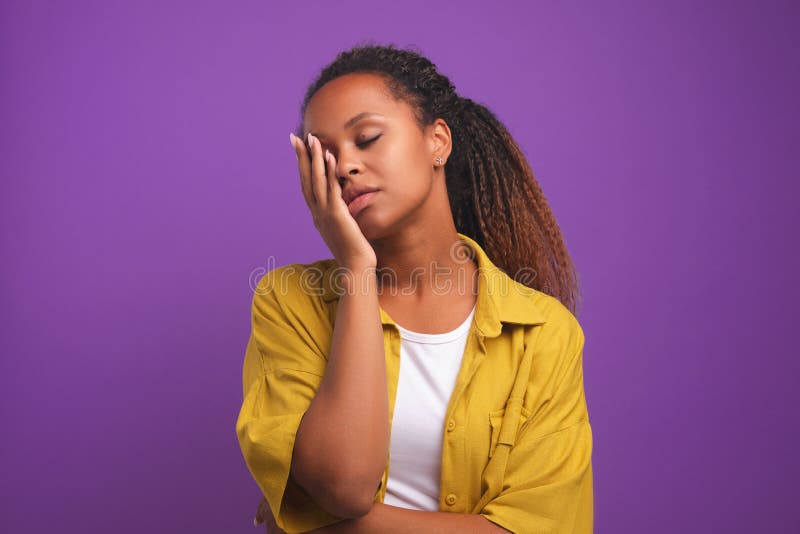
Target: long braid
(494,197)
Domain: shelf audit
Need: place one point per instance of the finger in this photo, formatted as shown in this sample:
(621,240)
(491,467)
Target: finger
(334,190)
(318,173)
(304,169)
(261,511)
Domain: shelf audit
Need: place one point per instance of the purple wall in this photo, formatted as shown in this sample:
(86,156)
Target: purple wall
(146,174)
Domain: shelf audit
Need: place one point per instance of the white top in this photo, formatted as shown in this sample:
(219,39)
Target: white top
(429,365)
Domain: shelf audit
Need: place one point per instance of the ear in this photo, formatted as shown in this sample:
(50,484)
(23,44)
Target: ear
(441,140)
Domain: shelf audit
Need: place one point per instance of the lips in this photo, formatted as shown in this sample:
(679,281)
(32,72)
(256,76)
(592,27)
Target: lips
(351,194)
(358,204)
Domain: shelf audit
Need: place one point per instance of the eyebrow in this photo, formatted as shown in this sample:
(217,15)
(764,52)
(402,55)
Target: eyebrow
(353,120)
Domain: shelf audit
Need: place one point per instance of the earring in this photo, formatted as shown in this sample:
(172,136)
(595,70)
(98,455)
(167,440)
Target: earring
(439,160)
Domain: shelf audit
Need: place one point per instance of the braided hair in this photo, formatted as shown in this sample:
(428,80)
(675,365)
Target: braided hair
(494,197)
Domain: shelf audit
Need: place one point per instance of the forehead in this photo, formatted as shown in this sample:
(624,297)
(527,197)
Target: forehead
(342,98)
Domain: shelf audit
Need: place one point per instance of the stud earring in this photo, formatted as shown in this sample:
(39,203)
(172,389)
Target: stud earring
(439,160)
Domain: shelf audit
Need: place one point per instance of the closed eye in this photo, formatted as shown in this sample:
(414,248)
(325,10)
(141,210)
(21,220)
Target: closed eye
(365,143)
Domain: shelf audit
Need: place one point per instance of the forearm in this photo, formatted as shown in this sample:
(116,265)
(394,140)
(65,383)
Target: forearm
(387,519)
(342,442)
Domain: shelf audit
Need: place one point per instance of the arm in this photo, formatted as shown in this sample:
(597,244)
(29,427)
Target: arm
(285,360)
(396,520)
(388,519)
(343,439)
(547,481)
(314,426)
(342,443)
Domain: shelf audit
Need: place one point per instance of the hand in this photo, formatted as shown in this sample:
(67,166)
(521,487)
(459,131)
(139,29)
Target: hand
(264,514)
(332,218)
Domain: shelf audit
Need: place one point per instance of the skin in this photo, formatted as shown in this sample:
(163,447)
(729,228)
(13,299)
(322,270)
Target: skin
(404,232)
(409,224)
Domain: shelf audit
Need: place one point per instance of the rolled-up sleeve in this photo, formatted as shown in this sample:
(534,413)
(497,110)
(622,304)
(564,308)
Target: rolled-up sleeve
(548,483)
(282,371)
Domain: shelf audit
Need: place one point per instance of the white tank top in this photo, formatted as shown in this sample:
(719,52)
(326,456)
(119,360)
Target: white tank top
(429,365)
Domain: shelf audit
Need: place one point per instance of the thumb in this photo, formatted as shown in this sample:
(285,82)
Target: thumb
(261,511)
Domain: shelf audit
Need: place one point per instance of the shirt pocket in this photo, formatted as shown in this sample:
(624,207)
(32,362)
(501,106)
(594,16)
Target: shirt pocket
(496,418)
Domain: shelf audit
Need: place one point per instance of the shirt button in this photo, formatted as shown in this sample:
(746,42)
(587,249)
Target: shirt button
(450,499)
(451,425)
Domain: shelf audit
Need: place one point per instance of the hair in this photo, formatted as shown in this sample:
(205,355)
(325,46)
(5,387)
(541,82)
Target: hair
(493,194)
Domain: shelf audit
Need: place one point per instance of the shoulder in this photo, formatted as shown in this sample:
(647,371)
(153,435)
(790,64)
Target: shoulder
(547,315)
(560,335)
(295,288)
(557,316)
(295,279)
(291,327)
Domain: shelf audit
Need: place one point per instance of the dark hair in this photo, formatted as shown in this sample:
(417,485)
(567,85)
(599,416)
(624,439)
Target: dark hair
(493,194)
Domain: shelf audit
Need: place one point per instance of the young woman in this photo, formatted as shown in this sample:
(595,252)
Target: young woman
(413,382)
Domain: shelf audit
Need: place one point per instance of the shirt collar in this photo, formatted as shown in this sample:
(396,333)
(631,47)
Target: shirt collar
(501,299)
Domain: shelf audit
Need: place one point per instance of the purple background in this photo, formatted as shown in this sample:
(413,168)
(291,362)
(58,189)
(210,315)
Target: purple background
(147,176)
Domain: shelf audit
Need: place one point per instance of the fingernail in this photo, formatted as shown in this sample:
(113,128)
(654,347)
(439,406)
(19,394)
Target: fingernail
(309,139)
(327,156)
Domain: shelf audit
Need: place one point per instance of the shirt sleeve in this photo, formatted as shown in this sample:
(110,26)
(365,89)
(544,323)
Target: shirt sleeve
(548,482)
(282,370)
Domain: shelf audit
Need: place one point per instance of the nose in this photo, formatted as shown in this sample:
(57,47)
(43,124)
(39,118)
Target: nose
(347,165)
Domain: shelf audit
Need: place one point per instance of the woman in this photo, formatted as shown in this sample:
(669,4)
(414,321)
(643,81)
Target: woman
(410,384)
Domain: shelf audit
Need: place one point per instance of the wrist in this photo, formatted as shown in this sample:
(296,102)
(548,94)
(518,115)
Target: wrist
(356,280)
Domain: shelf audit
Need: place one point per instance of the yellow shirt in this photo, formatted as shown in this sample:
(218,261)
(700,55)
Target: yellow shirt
(517,445)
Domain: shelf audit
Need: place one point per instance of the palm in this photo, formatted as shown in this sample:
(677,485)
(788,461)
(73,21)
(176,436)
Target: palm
(323,195)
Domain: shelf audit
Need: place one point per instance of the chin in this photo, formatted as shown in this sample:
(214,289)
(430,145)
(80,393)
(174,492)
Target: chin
(374,228)
(371,232)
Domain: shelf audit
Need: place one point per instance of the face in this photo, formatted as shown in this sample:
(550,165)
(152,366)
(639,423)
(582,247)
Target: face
(385,149)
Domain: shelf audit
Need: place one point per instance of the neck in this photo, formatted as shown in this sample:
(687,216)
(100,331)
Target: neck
(424,263)
(425,257)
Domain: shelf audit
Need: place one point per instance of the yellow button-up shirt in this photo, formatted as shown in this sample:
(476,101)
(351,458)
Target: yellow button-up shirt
(517,444)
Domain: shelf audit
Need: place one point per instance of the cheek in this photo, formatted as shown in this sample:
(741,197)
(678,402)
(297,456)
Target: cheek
(408,185)
(406,171)
(406,180)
